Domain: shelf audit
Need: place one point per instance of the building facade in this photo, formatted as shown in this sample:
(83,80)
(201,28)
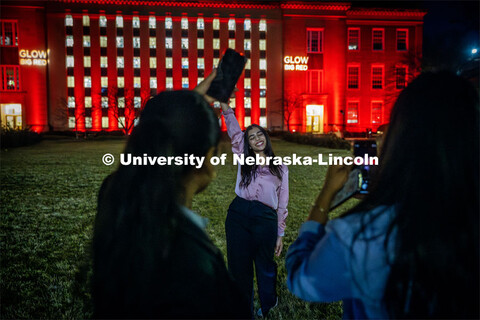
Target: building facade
(312,67)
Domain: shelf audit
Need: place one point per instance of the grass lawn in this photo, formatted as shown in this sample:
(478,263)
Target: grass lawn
(48,204)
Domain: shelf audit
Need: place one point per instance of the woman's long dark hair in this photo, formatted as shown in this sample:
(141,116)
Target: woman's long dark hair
(249,172)
(138,205)
(429,169)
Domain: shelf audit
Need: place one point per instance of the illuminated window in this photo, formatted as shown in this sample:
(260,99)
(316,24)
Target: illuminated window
(402,39)
(216,24)
(103,62)
(68,21)
(263,122)
(353,77)
(8,33)
(247,44)
(353,39)
(102,21)
(216,44)
(87,81)
(153,82)
(352,112)
(121,122)
(314,40)
(153,62)
(70,82)
(377,39)
(152,42)
(88,102)
(200,43)
(263,83)
(87,61)
(247,102)
(262,44)
(377,77)
(70,61)
(247,24)
(169,83)
(184,23)
(71,102)
(120,62)
(119,21)
(168,23)
(232,103)
(200,24)
(168,63)
(200,79)
(262,25)
(103,41)
(184,43)
(136,22)
(119,42)
(136,42)
(215,62)
(263,64)
(377,112)
(200,63)
(71,122)
(185,83)
(121,102)
(69,41)
(104,82)
(136,62)
(247,84)
(231,24)
(231,43)
(315,79)
(247,121)
(263,103)
(400,77)
(86,41)
(120,82)
(247,65)
(104,122)
(152,22)
(137,102)
(86,21)
(136,82)
(168,43)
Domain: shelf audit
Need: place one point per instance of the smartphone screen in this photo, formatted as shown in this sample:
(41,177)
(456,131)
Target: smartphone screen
(360,148)
(350,188)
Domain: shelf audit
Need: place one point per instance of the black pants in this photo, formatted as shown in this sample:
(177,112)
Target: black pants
(251,229)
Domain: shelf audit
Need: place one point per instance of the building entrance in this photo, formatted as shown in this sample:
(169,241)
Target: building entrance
(314,118)
(11,115)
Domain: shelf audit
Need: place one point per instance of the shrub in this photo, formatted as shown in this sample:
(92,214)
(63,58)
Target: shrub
(11,137)
(325,141)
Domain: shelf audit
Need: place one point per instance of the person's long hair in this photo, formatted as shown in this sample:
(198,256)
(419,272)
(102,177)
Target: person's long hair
(249,172)
(138,206)
(429,169)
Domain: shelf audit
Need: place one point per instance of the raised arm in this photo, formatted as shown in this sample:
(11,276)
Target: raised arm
(233,129)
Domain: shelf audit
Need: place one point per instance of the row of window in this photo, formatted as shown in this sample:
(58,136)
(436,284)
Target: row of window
(8,33)
(376,112)
(315,39)
(377,76)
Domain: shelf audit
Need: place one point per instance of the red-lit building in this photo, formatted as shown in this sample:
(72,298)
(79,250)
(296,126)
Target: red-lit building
(313,66)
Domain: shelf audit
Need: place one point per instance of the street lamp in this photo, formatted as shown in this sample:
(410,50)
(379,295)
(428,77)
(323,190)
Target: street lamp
(474,50)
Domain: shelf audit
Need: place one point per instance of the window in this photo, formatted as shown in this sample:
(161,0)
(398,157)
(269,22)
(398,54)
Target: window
(262,44)
(377,112)
(263,64)
(263,83)
(153,62)
(247,83)
(315,81)
(69,41)
(152,42)
(103,41)
(168,43)
(185,83)
(184,43)
(168,23)
(86,21)
(86,41)
(377,77)
(70,82)
(70,62)
(152,22)
(353,39)
(352,112)
(71,102)
(231,43)
(121,122)
(216,24)
(121,102)
(184,23)
(247,121)
(353,77)
(87,82)
(200,63)
(169,83)
(136,22)
(185,63)
(119,42)
(71,122)
(263,103)
(377,39)
(68,21)
(263,122)
(314,40)
(8,33)
(136,62)
(137,102)
(103,62)
(216,44)
(199,79)
(87,61)
(402,39)
(247,44)
(104,122)
(168,63)
(120,82)
(136,82)
(400,77)
(247,65)
(247,24)
(104,102)
(88,102)
(153,82)
(120,62)
(104,82)
(102,21)
(231,24)
(247,102)
(119,21)
(200,43)
(136,42)
(200,24)
(262,25)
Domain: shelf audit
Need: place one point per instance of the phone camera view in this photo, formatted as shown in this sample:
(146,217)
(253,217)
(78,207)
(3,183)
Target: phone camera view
(360,149)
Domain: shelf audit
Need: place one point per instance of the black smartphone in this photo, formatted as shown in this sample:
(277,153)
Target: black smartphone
(349,189)
(360,149)
(228,72)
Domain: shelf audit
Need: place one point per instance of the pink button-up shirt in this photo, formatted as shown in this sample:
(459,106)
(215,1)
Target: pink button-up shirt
(266,188)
